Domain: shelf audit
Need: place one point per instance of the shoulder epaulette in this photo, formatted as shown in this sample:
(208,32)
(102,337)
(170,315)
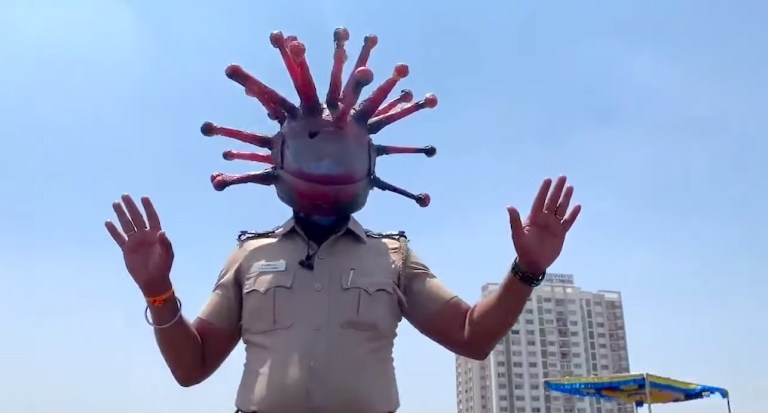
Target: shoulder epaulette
(395,235)
(249,235)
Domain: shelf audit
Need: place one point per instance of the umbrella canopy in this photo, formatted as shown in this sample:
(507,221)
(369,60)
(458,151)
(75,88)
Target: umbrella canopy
(631,388)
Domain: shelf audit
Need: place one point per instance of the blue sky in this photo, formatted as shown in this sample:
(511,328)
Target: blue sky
(652,108)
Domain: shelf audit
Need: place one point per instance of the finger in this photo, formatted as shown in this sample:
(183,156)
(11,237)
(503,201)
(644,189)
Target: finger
(554,195)
(134,212)
(565,201)
(118,236)
(538,202)
(165,243)
(515,223)
(570,219)
(152,217)
(122,217)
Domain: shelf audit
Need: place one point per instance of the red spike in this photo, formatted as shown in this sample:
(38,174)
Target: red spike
(278,42)
(221,181)
(310,103)
(266,95)
(361,78)
(381,150)
(247,156)
(406,96)
(368,107)
(379,123)
(369,42)
(422,199)
(340,37)
(209,129)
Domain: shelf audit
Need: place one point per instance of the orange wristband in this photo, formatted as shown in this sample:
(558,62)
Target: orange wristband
(160,299)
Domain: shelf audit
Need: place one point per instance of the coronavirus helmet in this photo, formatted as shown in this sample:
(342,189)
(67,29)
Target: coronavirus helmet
(323,160)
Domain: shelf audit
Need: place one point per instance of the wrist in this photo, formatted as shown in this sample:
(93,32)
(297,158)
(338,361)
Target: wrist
(529,267)
(525,275)
(156,288)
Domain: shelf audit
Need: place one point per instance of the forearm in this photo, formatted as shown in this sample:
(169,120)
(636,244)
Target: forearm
(179,343)
(491,318)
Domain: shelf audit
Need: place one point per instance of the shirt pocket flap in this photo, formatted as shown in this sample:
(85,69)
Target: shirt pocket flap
(369,285)
(263,282)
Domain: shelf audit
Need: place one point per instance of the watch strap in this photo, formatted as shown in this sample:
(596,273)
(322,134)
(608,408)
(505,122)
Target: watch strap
(527,278)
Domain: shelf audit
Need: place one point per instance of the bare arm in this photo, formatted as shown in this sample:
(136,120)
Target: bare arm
(469,331)
(192,351)
(473,331)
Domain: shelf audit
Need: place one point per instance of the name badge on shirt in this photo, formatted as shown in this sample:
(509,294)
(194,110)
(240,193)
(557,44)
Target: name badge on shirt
(269,266)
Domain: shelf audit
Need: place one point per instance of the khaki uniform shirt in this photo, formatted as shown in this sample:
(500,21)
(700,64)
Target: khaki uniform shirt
(321,341)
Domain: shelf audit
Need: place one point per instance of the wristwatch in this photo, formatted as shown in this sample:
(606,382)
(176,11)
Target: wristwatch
(527,278)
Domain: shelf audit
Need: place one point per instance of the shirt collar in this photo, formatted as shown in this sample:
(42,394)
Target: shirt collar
(352,226)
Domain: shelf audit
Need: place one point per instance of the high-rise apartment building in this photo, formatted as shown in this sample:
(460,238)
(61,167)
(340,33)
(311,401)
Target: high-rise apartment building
(562,332)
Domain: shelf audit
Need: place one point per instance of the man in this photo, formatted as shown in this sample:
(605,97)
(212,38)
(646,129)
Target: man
(280,375)
(317,300)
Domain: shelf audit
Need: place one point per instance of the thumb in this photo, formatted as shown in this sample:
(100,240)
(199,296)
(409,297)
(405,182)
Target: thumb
(515,223)
(165,244)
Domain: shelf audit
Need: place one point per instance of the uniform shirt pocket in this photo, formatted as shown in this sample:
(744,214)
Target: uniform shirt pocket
(370,304)
(266,299)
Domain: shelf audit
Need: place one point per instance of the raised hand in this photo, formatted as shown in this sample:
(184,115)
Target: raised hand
(147,252)
(539,240)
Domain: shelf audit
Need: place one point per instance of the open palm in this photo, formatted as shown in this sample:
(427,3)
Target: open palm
(147,252)
(539,239)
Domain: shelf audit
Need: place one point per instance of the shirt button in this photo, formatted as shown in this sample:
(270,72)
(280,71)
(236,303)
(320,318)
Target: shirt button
(318,287)
(320,257)
(317,328)
(312,364)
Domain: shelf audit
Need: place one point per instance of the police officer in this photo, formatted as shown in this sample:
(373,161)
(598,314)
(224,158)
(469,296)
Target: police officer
(317,304)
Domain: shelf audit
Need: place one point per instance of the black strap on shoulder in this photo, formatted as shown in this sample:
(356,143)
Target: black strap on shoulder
(394,235)
(249,235)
